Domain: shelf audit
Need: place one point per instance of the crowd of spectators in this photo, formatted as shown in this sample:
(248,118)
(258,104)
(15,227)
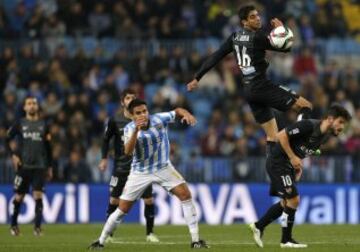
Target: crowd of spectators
(78,92)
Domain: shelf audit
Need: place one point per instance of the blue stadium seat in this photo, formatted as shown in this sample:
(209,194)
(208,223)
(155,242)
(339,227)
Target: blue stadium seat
(70,45)
(202,107)
(89,45)
(110,46)
(151,89)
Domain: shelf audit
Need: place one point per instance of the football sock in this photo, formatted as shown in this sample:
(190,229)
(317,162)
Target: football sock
(191,219)
(287,223)
(304,113)
(149,213)
(114,219)
(111,208)
(38,212)
(272,214)
(16,206)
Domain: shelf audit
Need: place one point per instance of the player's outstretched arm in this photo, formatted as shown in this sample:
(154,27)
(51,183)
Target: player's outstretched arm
(185,116)
(210,62)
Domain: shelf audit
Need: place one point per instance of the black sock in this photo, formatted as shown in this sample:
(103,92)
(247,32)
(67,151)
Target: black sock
(287,223)
(111,208)
(272,214)
(38,212)
(14,217)
(149,216)
(304,113)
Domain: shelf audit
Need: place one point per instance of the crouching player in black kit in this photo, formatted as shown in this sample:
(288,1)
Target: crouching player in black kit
(114,128)
(32,161)
(285,168)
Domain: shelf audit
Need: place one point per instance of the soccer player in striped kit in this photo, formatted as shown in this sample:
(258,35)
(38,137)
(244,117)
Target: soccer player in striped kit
(146,138)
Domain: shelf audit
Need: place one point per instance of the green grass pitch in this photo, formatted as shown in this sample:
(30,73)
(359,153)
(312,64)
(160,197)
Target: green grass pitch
(175,238)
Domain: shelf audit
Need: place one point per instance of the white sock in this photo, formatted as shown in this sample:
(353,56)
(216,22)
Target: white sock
(114,219)
(191,219)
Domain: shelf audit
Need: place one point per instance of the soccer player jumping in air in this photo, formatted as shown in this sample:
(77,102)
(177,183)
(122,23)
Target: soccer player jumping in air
(114,129)
(32,161)
(146,139)
(249,45)
(284,168)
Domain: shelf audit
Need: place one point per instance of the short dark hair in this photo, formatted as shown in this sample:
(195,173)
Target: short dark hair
(244,12)
(27,98)
(336,110)
(125,92)
(135,103)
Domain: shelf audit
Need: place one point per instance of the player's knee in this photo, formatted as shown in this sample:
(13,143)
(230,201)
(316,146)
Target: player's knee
(114,201)
(37,195)
(185,195)
(19,197)
(294,202)
(149,201)
(301,102)
(125,206)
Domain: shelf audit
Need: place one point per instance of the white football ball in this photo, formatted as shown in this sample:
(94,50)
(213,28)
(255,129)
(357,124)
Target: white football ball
(281,37)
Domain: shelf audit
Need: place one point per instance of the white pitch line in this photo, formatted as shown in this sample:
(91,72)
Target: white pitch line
(229,242)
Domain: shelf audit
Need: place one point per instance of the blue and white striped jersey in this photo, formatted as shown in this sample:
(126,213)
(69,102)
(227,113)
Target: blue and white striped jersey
(152,149)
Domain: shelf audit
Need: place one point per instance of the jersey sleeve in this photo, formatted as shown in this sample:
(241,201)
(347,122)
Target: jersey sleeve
(261,41)
(300,129)
(167,117)
(109,132)
(215,58)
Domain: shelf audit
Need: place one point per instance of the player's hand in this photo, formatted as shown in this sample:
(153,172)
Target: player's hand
(192,85)
(49,175)
(140,123)
(103,164)
(276,22)
(16,162)
(298,174)
(189,119)
(296,162)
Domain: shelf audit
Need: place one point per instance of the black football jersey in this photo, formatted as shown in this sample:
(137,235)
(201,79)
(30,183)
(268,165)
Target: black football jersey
(114,129)
(249,48)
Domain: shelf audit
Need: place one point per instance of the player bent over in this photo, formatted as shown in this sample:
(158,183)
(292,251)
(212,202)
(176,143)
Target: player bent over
(285,168)
(146,138)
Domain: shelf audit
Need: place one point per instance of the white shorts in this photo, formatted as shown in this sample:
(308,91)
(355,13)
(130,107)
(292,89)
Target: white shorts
(136,183)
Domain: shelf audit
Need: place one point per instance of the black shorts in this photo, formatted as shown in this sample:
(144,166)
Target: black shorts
(262,95)
(26,177)
(282,177)
(117,184)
